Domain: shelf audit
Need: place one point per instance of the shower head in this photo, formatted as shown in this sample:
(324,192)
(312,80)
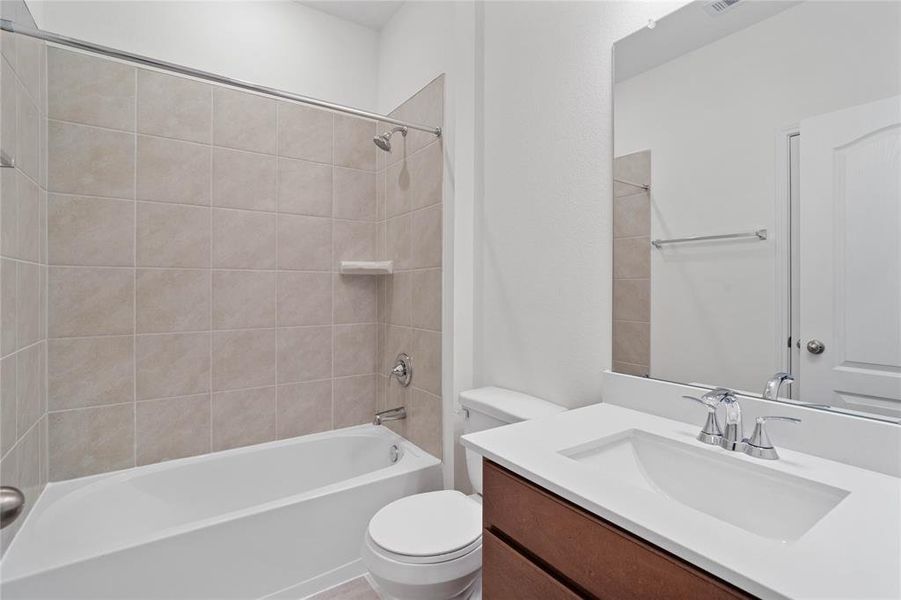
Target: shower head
(384,141)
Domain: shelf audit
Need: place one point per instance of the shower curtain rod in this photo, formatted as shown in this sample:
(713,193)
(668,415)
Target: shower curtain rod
(7,25)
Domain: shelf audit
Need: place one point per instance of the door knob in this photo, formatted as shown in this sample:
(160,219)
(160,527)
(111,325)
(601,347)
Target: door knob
(815,347)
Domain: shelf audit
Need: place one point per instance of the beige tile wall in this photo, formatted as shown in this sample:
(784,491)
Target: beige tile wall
(410,210)
(23,271)
(194,237)
(632,265)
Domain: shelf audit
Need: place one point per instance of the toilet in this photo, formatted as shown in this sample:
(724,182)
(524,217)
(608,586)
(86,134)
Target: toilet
(429,546)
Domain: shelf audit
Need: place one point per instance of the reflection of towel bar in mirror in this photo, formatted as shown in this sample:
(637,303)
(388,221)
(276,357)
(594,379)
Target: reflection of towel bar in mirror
(760,234)
(643,186)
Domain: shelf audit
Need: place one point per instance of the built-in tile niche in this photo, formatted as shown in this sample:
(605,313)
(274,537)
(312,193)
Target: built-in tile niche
(632,264)
(23,266)
(195,303)
(410,213)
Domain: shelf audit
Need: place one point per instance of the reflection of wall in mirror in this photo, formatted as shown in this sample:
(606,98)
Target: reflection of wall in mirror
(712,118)
(632,264)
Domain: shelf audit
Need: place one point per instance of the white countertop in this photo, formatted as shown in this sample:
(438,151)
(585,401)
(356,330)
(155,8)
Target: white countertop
(852,552)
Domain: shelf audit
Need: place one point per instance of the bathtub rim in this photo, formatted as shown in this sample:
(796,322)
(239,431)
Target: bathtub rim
(413,458)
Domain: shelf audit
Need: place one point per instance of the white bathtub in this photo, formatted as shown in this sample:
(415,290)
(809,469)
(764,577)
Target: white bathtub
(281,520)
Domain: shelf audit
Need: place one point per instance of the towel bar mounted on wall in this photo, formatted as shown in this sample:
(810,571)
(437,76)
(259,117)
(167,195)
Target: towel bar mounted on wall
(643,186)
(760,234)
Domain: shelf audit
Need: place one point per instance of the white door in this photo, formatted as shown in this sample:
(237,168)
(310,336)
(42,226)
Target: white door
(851,258)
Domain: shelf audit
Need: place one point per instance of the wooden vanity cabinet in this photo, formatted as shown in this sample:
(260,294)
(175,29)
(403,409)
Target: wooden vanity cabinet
(537,545)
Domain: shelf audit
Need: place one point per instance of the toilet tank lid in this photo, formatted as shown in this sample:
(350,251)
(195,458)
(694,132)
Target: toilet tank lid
(507,405)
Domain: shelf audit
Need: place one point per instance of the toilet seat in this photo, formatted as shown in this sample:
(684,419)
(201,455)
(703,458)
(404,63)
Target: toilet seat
(426,560)
(428,528)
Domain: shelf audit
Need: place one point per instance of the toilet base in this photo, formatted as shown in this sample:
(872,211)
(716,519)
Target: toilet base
(455,579)
(473,592)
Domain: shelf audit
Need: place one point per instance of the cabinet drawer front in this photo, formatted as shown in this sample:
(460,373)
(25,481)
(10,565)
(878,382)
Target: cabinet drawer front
(596,556)
(507,574)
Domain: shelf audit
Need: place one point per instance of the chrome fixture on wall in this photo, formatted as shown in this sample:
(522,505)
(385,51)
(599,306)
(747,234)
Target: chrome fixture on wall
(12,502)
(760,234)
(384,141)
(392,414)
(403,369)
(6,162)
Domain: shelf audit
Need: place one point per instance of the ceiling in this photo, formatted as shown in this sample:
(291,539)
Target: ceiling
(687,29)
(373,14)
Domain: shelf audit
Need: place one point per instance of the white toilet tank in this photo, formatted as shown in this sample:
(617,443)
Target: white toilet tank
(490,407)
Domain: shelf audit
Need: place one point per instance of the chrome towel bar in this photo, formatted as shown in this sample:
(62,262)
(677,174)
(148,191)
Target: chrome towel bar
(760,234)
(642,186)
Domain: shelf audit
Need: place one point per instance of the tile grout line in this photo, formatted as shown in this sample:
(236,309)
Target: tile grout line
(332,259)
(199,331)
(278,207)
(44,252)
(212,203)
(244,150)
(134,305)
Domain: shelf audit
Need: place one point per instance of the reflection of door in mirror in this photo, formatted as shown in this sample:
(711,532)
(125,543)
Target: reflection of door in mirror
(773,232)
(851,257)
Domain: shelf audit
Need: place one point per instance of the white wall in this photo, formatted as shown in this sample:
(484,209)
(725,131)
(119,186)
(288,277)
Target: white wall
(711,119)
(415,46)
(421,41)
(280,44)
(543,299)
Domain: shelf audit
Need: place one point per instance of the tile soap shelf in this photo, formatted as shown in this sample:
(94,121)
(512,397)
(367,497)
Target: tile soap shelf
(367,267)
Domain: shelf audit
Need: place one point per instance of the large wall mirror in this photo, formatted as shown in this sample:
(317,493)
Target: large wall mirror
(757,200)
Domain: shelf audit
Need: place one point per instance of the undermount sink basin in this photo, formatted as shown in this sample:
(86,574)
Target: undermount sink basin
(753,497)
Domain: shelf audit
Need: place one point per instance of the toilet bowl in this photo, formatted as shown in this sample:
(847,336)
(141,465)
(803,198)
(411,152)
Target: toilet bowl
(429,546)
(413,555)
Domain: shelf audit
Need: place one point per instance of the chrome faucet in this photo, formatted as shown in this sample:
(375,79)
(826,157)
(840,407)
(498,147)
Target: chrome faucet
(771,391)
(733,439)
(392,414)
(734,432)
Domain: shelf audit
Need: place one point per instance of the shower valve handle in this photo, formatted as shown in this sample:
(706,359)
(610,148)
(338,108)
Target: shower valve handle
(402,369)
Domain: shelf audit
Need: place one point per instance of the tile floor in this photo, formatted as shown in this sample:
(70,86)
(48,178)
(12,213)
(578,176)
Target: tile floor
(355,589)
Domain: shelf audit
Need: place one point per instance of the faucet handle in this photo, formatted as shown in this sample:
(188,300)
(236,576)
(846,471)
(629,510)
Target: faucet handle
(759,444)
(762,420)
(402,369)
(711,432)
(720,394)
(710,403)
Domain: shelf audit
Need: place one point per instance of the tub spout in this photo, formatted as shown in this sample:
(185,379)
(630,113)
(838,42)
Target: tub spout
(392,414)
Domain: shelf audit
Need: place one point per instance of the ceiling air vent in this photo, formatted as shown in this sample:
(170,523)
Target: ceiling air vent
(718,7)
